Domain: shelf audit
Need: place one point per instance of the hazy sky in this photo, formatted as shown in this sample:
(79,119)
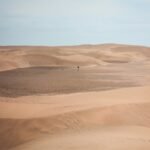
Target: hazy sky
(70,22)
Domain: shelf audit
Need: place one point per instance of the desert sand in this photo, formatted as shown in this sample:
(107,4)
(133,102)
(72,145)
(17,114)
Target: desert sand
(47,103)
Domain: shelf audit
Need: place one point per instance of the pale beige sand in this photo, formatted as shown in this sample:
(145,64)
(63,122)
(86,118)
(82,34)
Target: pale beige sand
(46,104)
(105,138)
(124,109)
(40,70)
(28,56)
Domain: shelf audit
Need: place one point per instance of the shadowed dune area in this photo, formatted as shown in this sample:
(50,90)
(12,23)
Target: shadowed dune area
(46,102)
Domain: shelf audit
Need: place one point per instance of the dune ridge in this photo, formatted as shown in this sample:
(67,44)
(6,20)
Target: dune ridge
(111,108)
(47,103)
(31,70)
(28,56)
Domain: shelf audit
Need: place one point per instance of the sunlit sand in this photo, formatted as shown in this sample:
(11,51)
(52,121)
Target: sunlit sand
(47,102)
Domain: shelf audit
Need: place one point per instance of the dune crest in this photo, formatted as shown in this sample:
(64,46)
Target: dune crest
(28,56)
(48,116)
(47,102)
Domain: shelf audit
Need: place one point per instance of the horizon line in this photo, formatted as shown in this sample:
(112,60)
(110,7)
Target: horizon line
(69,45)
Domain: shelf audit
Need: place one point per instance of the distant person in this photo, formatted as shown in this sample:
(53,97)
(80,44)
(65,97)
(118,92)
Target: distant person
(78,67)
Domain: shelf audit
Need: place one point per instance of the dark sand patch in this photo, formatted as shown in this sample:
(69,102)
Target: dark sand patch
(59,80)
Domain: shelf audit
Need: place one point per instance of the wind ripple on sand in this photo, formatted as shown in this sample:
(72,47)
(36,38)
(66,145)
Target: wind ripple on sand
(119,110)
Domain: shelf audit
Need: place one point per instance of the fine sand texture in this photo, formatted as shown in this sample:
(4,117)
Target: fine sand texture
(48,103)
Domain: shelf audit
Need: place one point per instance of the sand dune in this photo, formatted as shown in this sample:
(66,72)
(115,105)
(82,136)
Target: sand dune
(106,138)
(44,106)
(52,115)
(46,103)
(29,56)
(53,70)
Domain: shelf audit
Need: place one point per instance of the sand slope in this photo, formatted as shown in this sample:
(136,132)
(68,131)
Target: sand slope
(34,70)
(106,138)
(51,115)
(46,103)
(44,106)
(12,57)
